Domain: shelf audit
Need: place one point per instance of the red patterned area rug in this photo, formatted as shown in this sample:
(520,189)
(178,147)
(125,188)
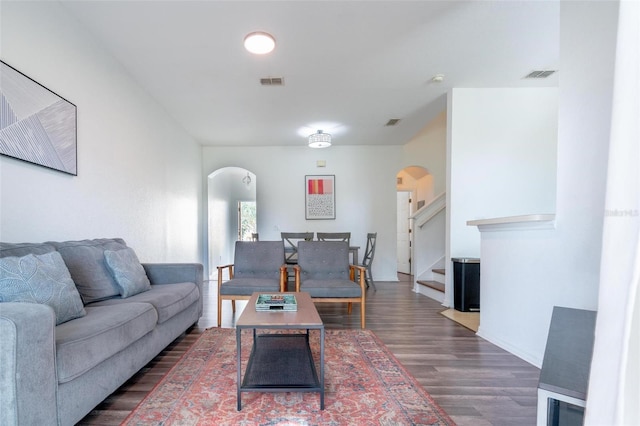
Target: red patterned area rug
(364,385)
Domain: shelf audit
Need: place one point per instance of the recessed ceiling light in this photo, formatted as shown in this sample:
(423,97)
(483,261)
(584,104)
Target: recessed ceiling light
(259,42)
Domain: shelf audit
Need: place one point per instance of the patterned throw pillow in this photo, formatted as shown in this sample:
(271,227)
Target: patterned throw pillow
(44,279)
(127,271)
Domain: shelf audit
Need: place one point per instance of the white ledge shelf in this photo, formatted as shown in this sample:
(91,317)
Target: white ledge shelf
(515,223)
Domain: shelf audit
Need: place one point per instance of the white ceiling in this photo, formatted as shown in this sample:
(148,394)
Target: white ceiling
(348,66)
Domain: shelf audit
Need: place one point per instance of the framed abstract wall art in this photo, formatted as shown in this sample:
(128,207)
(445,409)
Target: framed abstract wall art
(36,125)
(320,197)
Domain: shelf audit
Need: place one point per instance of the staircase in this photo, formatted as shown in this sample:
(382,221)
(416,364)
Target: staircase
(428,254)
(437,283)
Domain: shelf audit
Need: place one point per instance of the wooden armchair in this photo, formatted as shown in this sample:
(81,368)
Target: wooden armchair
(324,272)
(258,266)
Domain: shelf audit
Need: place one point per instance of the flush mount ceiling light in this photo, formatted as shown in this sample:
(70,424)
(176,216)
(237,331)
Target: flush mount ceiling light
(259,42)
(319,140)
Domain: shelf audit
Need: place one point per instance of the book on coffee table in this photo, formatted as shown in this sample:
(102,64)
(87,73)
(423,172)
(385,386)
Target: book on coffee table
(276,302)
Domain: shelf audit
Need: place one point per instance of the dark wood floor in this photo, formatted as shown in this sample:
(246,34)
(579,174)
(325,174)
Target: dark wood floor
(475,382)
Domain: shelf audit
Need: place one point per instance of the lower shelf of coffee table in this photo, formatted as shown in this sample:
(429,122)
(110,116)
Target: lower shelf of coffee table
(281,362)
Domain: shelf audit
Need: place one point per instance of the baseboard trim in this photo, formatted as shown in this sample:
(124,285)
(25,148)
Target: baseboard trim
(524,355)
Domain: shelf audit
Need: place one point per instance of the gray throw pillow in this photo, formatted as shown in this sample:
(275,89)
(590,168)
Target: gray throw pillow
(89,271)
(44,279)
(127,271)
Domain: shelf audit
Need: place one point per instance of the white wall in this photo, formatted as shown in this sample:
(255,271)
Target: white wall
(503,158)
(139,174)
(365,192)
(428,149)
(524,274)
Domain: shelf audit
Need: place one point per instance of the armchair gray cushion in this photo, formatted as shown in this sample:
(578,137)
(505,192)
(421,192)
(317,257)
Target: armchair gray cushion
(256,267)
(247,286)
(258,259)
(324,269)
(331,288)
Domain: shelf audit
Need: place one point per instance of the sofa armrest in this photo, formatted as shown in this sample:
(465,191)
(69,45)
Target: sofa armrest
(28,380)
(171,273)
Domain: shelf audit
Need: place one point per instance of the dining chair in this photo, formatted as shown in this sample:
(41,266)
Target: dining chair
(257,267)
(334,236)
(323,271)
(367,259)
(290,242)
(339,236)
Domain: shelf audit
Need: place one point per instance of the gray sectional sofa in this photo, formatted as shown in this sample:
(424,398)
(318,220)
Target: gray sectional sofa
(64,351)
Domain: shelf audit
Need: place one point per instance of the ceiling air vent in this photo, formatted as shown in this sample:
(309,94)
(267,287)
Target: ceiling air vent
(272,81)
(392,122)
(540,74)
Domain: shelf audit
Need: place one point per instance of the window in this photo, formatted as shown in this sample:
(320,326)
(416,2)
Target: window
(246,220)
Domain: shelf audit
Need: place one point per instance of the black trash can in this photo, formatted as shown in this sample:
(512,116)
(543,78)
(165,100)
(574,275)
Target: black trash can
(466,284)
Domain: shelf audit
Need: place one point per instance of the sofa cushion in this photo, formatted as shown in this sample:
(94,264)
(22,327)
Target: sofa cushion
(85,342)
(127,271)
(85,260)
(23,249)
(167,299)
(41,278)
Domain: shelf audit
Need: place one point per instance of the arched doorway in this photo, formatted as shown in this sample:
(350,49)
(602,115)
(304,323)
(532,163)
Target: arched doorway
(414,186)
(231,191)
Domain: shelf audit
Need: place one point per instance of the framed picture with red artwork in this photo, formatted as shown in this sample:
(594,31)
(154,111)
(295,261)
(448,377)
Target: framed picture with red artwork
(320,197)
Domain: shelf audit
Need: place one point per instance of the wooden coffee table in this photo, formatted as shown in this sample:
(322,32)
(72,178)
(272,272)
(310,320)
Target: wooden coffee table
(281,362)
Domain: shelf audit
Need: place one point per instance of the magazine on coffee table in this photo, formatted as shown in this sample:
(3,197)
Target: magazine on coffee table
(276,302)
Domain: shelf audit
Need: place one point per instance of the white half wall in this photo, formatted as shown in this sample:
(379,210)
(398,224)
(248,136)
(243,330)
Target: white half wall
(139,174)
(365,192)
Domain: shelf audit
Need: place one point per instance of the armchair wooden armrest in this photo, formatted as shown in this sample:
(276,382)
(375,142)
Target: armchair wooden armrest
(221,269)
(283,278)
(361,277)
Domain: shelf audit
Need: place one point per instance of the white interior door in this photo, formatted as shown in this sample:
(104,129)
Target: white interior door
(404,245)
